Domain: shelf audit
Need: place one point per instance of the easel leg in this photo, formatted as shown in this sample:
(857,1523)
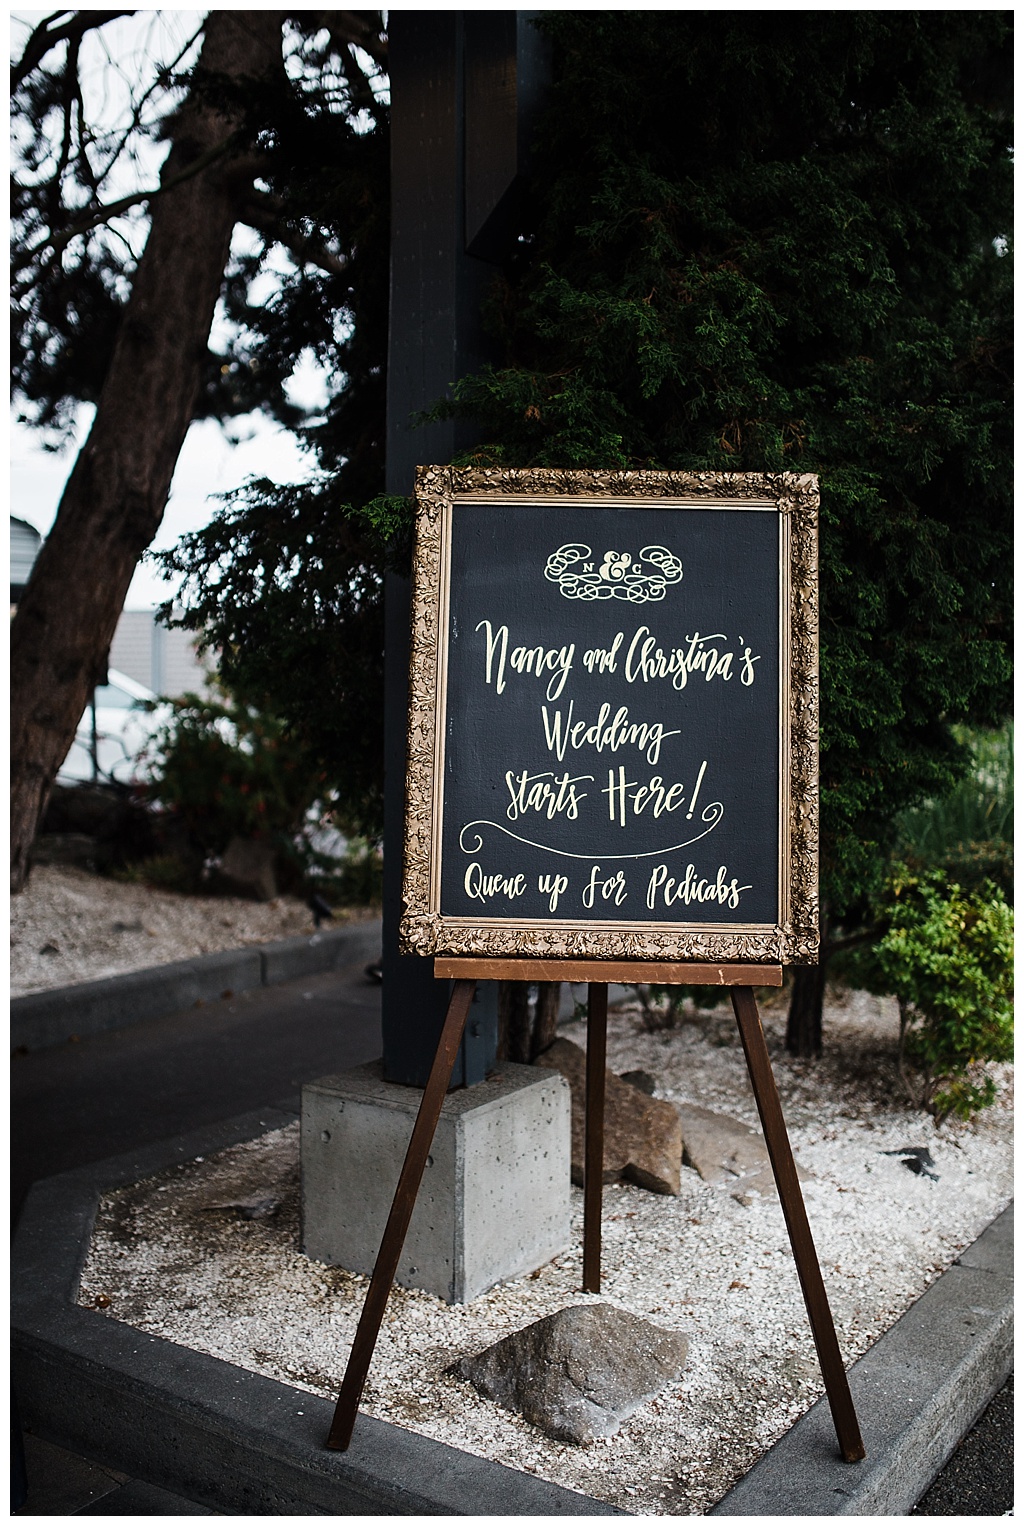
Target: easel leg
(776,1138)
(398,1219)
(593,1164)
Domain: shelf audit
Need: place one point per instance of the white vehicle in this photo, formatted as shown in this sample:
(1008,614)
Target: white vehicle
(122,747)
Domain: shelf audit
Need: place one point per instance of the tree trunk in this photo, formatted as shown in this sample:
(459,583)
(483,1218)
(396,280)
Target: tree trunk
(114,499)
(514,1021)
(545,1027)
(526,1029)
(803,1026)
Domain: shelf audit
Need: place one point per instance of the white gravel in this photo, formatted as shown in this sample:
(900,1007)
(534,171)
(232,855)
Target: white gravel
(168,1262)
(68,925)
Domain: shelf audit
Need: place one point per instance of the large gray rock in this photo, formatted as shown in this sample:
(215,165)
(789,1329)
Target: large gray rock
(724,1151)
(579,1373)
(642,1080)
(643,1141)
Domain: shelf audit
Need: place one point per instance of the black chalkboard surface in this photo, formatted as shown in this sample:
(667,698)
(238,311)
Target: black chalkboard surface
(613,717)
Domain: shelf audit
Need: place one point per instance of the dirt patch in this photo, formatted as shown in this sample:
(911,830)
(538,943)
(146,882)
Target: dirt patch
(184,1256)
(68,925)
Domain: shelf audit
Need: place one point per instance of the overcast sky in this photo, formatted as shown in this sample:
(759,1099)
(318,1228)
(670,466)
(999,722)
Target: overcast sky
(209,464)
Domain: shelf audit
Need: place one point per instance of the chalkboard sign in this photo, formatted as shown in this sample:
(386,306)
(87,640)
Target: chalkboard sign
(613,717)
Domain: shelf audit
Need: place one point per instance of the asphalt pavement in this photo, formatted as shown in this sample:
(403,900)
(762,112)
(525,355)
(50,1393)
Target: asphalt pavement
(85,1101)
(978,1478)
(88,1099)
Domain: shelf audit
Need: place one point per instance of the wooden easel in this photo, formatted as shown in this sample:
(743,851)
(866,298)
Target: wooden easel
(741,978)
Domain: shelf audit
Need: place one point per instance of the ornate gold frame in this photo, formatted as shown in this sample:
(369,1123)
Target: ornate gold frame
(794,940)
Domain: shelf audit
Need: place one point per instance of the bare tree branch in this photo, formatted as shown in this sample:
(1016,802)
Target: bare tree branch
(86,173)
(51,30)
(92,217)
(71,69)
(264,214)
(157,83)
(362,28)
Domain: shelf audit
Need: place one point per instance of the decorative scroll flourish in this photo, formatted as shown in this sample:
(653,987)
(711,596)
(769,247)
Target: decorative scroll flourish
(711,813)
(422,930)
(580,575)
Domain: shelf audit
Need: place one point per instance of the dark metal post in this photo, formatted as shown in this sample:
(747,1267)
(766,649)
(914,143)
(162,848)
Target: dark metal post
(593,1162)
(460,84)
(101,678)
(94,739)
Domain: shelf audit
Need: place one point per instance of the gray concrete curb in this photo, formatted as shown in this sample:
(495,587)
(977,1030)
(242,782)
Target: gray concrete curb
(199,1427)
(248,1445)
(917,1392)
(46,1018)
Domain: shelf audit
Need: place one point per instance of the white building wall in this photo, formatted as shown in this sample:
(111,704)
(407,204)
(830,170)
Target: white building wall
(25,544)
(164,660)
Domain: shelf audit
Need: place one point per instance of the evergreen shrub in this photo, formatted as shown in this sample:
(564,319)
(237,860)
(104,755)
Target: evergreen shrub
(758,241)
(777,242)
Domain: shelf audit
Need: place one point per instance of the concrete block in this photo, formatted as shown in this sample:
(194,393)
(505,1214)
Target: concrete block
(574,995)
(494,1201)
(993,1252)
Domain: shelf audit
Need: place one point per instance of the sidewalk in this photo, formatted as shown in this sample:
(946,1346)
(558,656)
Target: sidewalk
(915,1401)
(47,1018)
(242,1443)
(977,1480)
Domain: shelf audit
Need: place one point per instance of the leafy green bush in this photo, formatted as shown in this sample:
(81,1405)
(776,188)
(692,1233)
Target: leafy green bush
(356,878)
(947,956)
(181,871)
(228,769)
(968,833)
(669,1006)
